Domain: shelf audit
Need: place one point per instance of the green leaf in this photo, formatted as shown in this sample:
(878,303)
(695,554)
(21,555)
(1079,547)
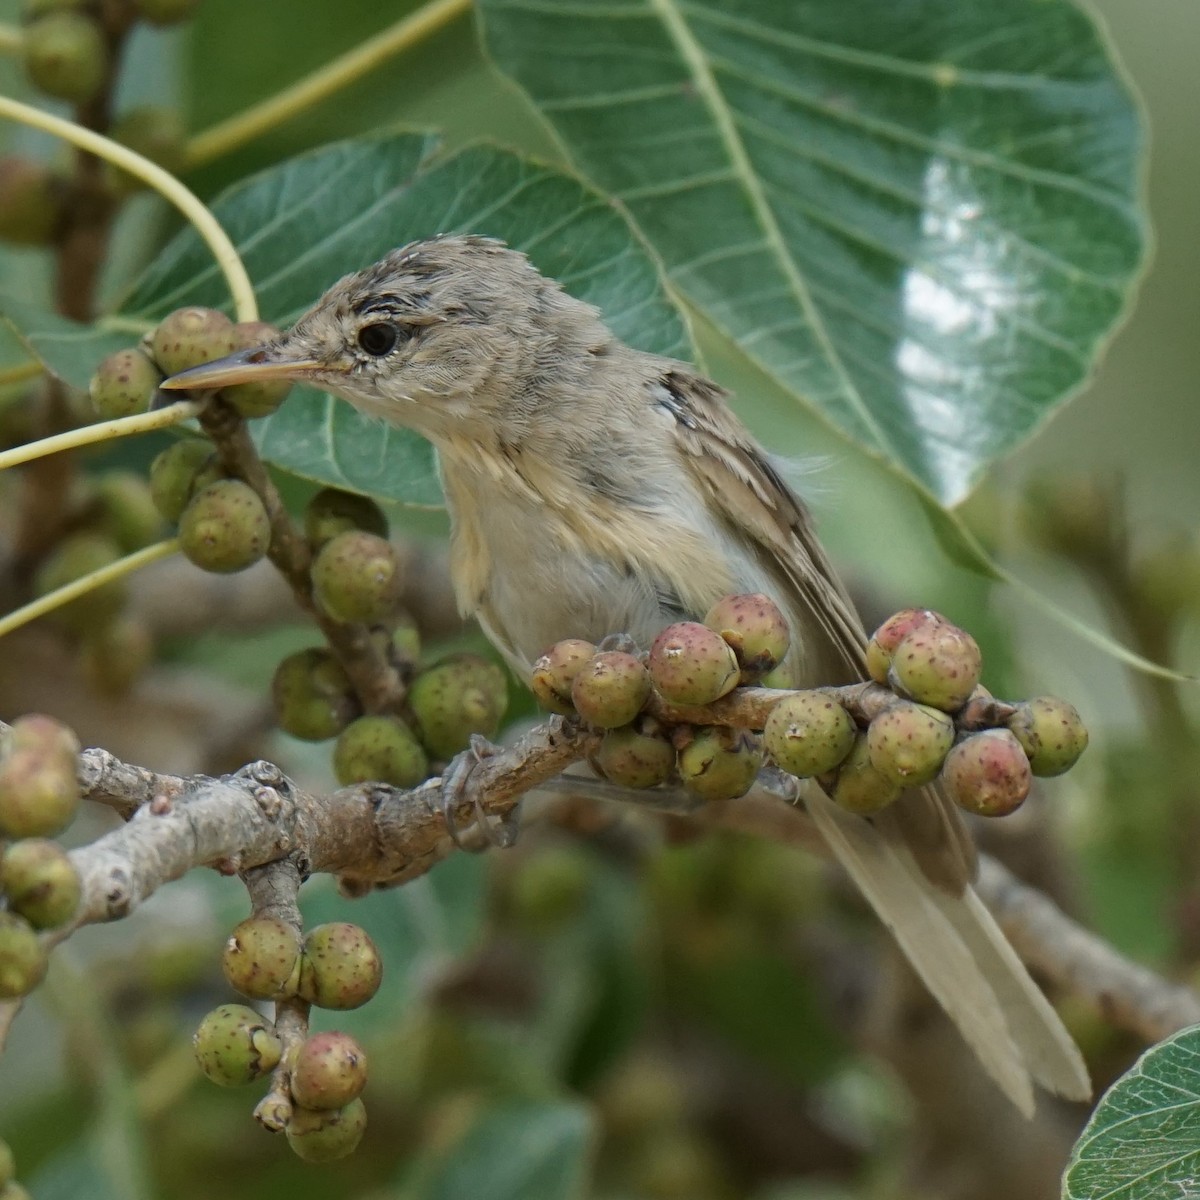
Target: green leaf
(302,225)
(921,218)
(516,1151)
(64,346)
(1143,1140)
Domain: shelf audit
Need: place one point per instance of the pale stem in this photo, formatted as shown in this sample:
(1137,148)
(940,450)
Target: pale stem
(161,181)
(321,84)
(102,431)
(86,583)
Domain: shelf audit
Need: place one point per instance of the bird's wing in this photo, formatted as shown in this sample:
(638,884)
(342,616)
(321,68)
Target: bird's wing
(914,861)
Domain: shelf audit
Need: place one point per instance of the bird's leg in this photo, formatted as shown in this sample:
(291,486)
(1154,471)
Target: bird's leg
(498,831)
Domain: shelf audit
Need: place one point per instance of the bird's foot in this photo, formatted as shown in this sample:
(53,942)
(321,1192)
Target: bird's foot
(485,830)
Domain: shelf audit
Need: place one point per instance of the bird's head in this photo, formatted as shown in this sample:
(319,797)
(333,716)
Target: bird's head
(436,336)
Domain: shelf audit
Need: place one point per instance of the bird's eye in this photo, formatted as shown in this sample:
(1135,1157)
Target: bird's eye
(378,339)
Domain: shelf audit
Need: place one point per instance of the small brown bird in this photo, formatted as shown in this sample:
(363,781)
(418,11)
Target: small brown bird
(596,489)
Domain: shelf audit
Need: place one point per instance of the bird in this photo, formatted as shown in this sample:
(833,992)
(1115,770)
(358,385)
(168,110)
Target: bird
(596,489)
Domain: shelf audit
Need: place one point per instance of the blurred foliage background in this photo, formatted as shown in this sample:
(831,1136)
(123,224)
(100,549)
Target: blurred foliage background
(614,1009)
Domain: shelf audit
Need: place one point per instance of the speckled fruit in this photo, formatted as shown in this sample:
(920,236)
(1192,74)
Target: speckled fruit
(554,673)
(939,665)
(188,337)
(39,788)
(225,527)
(131,518)
(808,733)
(261,958)
(332,511)
(692,664)
(22,958)
(908,742)
(455,698)
(1051,733)
(609,689)
(379,749)
(891,633)
(236,1045)
(313,696)
(341,967)
(179,472)
(859,787)
(356,577)
(40,882)
(124,384)
(318,1135)
(988,773)
(720,763)
(329,1070)
(633,759)
(756,630)
(261,398)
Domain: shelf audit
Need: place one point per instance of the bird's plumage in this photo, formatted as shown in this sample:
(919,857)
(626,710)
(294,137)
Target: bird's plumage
(597,489)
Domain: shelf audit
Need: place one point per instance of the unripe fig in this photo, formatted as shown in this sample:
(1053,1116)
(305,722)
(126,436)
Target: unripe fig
(317,1135)
(549,888)
(379,749)
(939,666)
(39,789)
(72,559)
(41,882)
(555,671)
(859,787)
(332,511)
(808,733)
(155,132)
(261,958)
(988,773)
(329,1070)
(633,759)
(225,527)
(406,642)
(31,201)
(609,689)
(313,696)
(720,763)
(263,397)
(115,657)
(179,472)
(891,633)
(455,698)
(692,664)
(340,968)
(356,577)
(23,961)
(131,517)
(66,56)
(166,12)
(236,1045)
(191,336)
(908,742)
(758,632)
(1051,733)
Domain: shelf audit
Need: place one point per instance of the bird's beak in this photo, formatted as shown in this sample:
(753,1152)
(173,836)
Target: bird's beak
(255,365)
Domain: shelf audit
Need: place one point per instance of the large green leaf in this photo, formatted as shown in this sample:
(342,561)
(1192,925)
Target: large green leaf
(301,225)
(1143,1140)
(515,1151)
(921,217)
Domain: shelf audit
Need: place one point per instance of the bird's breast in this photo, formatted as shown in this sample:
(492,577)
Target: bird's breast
(536,560)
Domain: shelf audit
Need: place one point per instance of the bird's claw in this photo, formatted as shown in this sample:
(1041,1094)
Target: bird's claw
(495,831)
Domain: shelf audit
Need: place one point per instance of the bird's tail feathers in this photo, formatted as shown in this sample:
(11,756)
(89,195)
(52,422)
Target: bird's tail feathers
(964,959)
